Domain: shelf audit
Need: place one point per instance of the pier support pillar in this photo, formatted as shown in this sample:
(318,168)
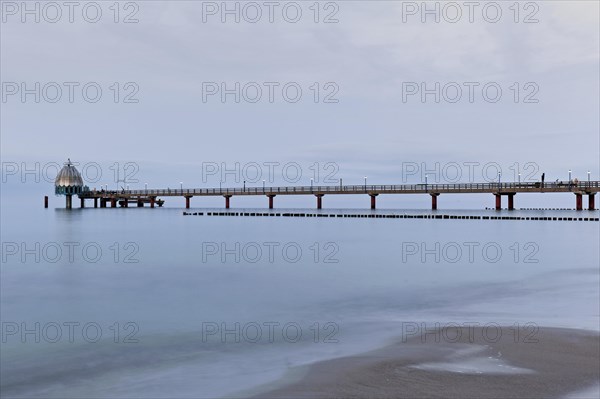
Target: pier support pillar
(591,204)
(140,203)
(68,202)
(373,200)
(187,202)
(113,202)
(498,202)
(125,203)
(434,201)
(46,201)
(271,201)
(579,202)
(227,201)
(152,202)
(82,202)
(319,201)
(95,202)
(511,202)
(102,202)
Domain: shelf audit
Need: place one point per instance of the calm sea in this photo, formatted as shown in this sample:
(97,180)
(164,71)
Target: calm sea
(148,302)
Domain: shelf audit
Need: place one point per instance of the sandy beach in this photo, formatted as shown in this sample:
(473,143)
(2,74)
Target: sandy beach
(460,363)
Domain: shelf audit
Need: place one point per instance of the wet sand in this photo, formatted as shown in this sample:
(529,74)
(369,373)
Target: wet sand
(560,363)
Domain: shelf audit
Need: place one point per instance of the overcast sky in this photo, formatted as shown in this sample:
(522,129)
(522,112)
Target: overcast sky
(367,61)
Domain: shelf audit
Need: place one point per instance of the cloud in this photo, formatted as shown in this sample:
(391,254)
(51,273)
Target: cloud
(369,54)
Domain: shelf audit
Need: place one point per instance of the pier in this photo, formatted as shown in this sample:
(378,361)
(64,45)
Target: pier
(152,197)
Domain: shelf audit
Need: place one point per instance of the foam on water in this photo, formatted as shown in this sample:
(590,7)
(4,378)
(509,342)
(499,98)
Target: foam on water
(469,360)
(592,392)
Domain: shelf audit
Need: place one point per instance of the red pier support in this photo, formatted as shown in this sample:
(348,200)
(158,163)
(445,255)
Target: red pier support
(152,199)
(591,200)
(271,201)
(434,201)
(227,201)
(373,200)
(498,202)
(319,201)
(113,202)
(579,202)
(187,202)
(45,201)
(511,202)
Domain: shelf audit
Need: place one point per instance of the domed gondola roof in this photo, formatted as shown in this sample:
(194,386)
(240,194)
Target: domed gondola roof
(68,176)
